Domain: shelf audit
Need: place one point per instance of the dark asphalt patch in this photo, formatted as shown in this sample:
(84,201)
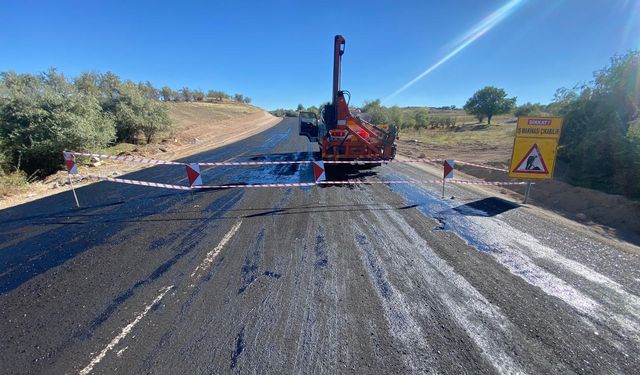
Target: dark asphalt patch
(189,242)
(320,249)
(239,348)
(486,207)
(375,268)
(251,263)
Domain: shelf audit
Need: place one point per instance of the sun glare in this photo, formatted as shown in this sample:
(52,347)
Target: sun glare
(467,39)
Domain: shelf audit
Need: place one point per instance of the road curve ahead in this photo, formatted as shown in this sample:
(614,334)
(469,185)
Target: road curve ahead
(367,279)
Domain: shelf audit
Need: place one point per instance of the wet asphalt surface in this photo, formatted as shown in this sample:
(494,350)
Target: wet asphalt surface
(366,279)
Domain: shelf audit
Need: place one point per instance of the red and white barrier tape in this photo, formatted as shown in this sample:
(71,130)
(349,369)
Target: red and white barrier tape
(482,166)
(137,182)
(479,182)
(137,159)
(293,184)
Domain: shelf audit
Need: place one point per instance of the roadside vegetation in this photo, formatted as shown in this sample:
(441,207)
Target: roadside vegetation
(43,114)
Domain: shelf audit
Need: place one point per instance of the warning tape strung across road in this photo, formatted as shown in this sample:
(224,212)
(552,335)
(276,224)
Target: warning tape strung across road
(482,166)
(495,183)
(136,182)
(293,184)
(137,159)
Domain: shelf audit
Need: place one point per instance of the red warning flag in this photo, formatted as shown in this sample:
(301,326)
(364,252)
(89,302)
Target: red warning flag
(193,175)
(70,162)
(448,168)
(318,170)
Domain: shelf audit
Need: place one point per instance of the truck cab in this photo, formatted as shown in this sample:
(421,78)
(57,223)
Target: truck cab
(308,126)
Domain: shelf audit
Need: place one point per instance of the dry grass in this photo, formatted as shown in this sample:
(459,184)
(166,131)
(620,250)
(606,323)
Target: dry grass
(185,114)
(12,184)
(491,135)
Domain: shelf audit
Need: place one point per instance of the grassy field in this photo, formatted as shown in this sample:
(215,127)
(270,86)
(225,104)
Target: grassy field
(467,131)
(195,112)
(468,140)
(499,134)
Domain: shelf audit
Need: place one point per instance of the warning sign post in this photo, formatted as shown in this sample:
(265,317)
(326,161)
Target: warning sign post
(533,158)
(534,149)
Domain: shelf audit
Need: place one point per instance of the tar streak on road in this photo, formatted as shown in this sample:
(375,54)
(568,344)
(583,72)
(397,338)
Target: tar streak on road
(239,348)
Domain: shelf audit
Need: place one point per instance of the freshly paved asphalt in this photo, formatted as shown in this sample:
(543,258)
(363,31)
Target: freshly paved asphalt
(366,279)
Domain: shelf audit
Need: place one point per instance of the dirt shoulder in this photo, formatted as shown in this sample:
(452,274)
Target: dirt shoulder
(611,215)
(198,127)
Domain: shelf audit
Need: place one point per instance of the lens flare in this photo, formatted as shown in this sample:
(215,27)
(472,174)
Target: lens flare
(469,37)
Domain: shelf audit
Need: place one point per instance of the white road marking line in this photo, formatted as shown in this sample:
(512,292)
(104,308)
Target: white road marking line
(119,352)
(125,331)
(213,253)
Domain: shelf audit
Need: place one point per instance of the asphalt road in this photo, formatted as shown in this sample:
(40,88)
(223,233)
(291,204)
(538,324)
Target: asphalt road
(366,279)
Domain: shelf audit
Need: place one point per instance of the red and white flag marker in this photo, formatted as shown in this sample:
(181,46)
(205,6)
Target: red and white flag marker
(448,173)
(72,168)
(70,162)
(193,175)
(318,171)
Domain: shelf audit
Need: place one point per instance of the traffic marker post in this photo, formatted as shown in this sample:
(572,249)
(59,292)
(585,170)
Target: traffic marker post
(72,168)
(193,176)
(318,171)
(534,149)
(448,173)
(527,192)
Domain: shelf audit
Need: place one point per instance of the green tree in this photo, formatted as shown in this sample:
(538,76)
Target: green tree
(395,115)
(489,101)
(239,98)
(168,94)
(421,117)
(149,91)
(408,122)
(217,95)
(300,108)
(88,83)
(41,116)
(377,112)
(601,126)
(530,109)
(109,85)
(134,115)
(198,95)
(186,94)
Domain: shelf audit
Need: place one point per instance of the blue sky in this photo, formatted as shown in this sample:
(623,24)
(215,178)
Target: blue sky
(279,52)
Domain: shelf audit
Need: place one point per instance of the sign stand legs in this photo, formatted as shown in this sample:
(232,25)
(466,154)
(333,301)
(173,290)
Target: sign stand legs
(526,194)
(443,180)
(73,189)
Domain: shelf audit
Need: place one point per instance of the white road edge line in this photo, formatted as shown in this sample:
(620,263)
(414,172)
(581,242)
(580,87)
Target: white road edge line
(211,255)
(125,331)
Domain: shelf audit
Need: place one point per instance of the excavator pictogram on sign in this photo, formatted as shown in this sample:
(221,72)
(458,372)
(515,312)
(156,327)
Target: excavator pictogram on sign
(532,162)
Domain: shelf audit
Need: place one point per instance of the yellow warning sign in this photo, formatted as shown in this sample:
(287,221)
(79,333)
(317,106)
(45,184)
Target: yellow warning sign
(539,127)
(533,158)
